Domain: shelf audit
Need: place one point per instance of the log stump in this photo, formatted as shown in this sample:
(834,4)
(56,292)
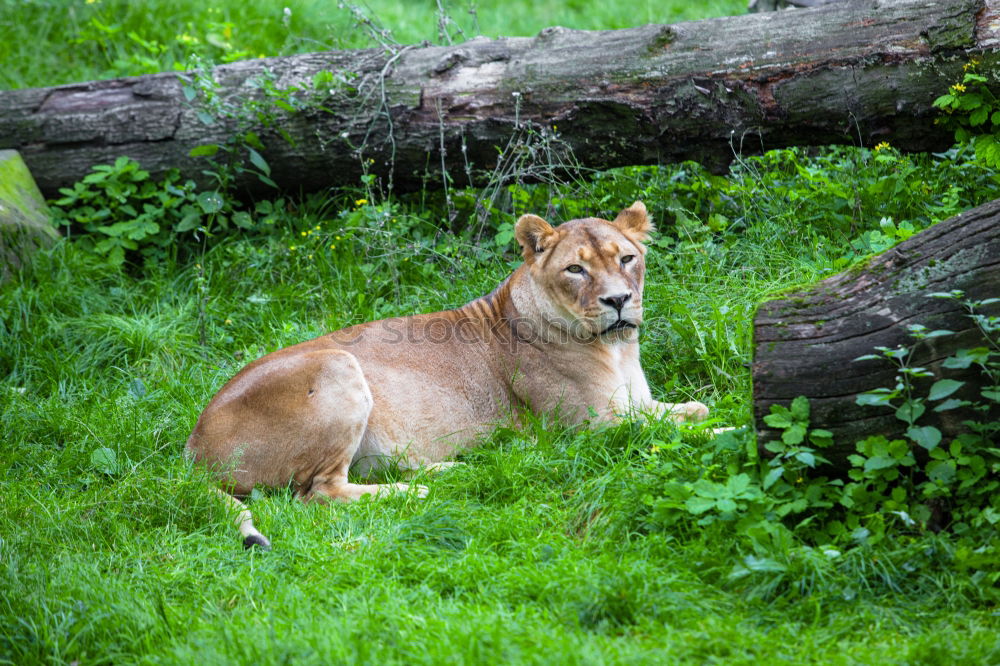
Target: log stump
(806,343)
(25,223)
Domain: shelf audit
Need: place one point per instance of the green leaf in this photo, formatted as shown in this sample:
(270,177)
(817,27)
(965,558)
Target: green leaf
(698,505)
(942,471)
(211,202)
(772,476)
(253,140)
(970,101)
(821,437)
(943,388)
(204,150)
(979,116)
(800,409)
(926,436)
(192,220)
(806,458)
(879,462)
(726,505)
(877,398)
(910,411)
(104,460)
(794,434)
(963,358)
(779,421)
(951,403)
(243,220)
(944,101)
(955,293)
(706,488)
(258,161)
(137,389)
(737,484)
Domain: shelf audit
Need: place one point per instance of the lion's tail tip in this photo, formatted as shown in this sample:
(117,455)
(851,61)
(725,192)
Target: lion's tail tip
(258,540)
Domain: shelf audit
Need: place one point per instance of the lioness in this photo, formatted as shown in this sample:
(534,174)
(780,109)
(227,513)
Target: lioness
(558,334)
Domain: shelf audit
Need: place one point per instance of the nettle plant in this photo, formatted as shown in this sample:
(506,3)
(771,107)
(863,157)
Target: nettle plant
(119,208)
(921,481)
(961,475)
(973,112)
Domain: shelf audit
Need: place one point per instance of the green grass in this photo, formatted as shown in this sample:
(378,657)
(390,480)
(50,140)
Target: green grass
(544,548)
(48,42)
(549,545)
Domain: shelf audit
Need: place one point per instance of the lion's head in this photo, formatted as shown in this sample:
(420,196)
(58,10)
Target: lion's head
(587,274)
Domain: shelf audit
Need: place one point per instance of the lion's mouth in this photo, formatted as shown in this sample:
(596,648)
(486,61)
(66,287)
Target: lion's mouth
(618,325)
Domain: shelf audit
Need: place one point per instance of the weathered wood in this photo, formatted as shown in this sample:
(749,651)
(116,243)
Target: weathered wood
(861,71)
(806,342)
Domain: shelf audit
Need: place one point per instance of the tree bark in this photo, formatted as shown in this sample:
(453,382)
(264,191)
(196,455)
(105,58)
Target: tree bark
(806,343)
(857,72)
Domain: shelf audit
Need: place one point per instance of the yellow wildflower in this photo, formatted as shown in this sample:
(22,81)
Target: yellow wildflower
(361,202)
(333,247)
(291,247)
(228,322)
(958,87)
(882,146)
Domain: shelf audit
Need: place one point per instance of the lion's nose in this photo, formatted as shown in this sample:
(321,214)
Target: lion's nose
(617,302)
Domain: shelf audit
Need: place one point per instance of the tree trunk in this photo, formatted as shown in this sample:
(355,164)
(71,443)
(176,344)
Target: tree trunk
(858,72)
(807,342)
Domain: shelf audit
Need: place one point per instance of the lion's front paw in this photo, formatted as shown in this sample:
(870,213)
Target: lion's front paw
(691,411)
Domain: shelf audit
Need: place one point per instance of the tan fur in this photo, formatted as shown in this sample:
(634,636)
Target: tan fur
(419,389)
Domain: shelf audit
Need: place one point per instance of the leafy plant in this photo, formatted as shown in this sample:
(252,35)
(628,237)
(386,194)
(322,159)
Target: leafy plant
(972,110)
(118,209)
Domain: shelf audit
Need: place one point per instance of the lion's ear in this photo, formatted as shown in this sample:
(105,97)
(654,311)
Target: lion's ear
(533,235)
(634,222)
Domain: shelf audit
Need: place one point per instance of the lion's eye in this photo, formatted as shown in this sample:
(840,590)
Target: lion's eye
(574,268)
(627,259)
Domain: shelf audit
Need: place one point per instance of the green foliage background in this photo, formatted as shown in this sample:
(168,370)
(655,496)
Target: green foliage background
(623,544)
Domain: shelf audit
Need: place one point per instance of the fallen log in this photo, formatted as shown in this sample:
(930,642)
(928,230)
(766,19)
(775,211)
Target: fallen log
(852,72)
(806,342)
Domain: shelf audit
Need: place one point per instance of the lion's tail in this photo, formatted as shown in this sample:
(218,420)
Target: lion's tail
(244,522)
